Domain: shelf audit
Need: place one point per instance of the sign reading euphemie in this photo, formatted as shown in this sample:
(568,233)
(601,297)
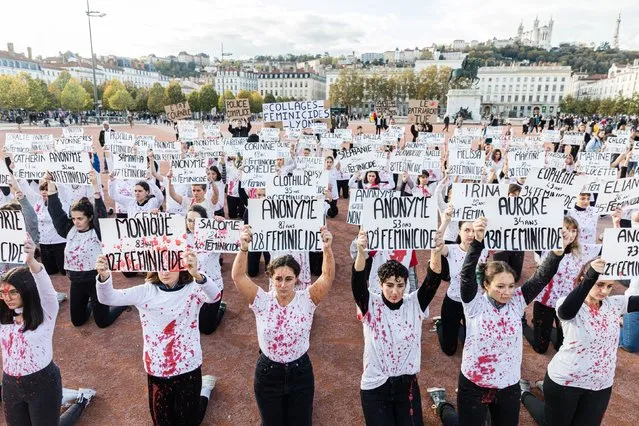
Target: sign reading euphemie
(178,111)
(237,108)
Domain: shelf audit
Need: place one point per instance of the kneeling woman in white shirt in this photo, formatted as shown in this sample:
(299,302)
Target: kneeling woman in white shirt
(284,383)
(392,338)
(169,304)
(579,380)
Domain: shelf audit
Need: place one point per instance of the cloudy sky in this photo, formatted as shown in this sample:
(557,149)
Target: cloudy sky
(250,27)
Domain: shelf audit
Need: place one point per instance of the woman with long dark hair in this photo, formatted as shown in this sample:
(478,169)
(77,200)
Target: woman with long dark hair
(169,305)
(284,383)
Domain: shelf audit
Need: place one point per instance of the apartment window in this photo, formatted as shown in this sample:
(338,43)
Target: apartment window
(517,88)
(490,79)
(539,87)
(547,79)
(561,88)
(503,88)
(525,87)
(532,79)
(552,98)
(525,79)
(546,88)
(511,79)
(510,87)
(545,98)
(516,98)
(560,97)
(502,98)
(515,108)
(554,87)
(563,79)
(555,79)
(518,79)
(538,96)
(509,98)
(497,79)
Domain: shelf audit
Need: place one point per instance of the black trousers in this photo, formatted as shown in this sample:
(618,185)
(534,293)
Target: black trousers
(397,402)
(539,336)
(209,316)
(284,392)
(52,256)
(342,186)
(332,210)
(34,399)
(567,406)
(84,299)
(316,260)
(474,402)
(176,401)
(448,329)
(235,207)
(253,267)
(515,259)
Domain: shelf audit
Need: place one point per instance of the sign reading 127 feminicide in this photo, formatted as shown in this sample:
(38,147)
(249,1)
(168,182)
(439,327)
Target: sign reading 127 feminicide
(286,224)
(13,234)
(144,243)
(621,253)
(524,223)
(400,223)
(221,236)
(297,115)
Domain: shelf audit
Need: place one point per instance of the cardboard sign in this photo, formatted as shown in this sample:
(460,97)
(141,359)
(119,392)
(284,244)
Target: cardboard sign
(594,183)
(119,143)
(319,128)
(407,160)
(469,199)
(554,183)
(297,115)
(356,202)
(386,107)
(310,164)
(367,139)
(635,149)
(524,223)
(178,111)
(233,146)
(300,184)
(187,130)
(555,160)
(520,162)
(269,134)
(72,132)
(130,166)
(622,193)
(144,243)
(167,151)
(573,138)
(237,109)
(290,224)
(208,148)
(356,159)
(27,143)
(292,133)
(495,132)
(431,139)
(211,130)
(69,167)
(473,132)
(345,134)
(621,253)
(464,162)
(593,160)
(400,223)
(331,141)
(189,170)
(551,136)
(74,144)
(5,175)
(13,234)
(217,236)
(395,132)
(421,111)
(145,143)
(258,167)
(29,166)
(432,163)
(616,145)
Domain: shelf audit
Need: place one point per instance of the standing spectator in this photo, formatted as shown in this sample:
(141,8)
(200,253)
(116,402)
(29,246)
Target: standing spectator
(105,128)
(446,122)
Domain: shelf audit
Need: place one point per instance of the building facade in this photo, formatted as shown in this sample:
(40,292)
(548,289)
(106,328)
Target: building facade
(538,36)
(521,91)
(300,84)
(235,80)
(622,80)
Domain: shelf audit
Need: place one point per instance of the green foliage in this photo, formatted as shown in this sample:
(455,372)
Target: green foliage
(174,94)
(222,101)
(39,97)
(194,101)
(141,100)
(269,98)
(121,100)
(208,98)
(176,69)
(56,87)
(255,102)
(73,96)
(157,99)
(606,107)
(110,89)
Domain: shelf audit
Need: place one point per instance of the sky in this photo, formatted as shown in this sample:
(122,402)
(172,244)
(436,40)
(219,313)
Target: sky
(247,28)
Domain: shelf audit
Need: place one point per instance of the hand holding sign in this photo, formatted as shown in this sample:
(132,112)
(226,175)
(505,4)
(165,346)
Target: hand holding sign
(599,265)
(362,241)
(327,237)
(246,236)
(191,265)
(29,251)
(480,228)
(102,266)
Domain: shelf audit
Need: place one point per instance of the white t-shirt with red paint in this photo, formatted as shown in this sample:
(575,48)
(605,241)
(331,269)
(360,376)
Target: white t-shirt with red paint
(169,322)
(456,257)
(408,258)
(82,250)
(283,332)
(493,347)
(392,340)
(587,220)
(27,352)
(588,356)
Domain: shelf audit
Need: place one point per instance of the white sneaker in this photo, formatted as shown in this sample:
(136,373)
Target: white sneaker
(86,395)
(208,382)
(69,396)
(61,296)
(540,385)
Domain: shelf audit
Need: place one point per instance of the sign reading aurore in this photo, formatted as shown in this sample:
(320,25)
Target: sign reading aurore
(297,115)
(144,243)
(286,224)
(178,111)
(400,223)
(13,233)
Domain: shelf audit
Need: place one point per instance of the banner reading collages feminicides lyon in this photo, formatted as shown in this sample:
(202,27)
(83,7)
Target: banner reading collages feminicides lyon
(297,115)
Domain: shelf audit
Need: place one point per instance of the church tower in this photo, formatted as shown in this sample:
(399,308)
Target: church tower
(535,35)
(615,38)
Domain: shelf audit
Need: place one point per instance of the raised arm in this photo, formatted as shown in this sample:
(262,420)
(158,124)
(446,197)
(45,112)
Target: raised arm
(108,295)
(61,221)
(358,277)
(433,277)
(468,274)
(115,196)
(320,288)
(244,284)
(571,305)
(48,296)
(212,289)
(30,216)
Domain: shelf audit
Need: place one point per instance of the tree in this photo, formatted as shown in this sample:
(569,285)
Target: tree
(57,86)
(348,90)
(142,100)
(121,101)
(111,88)
(14,92)
(269,98)
(73,96)
(40,99)
(174,94)
(256,101)
(208,98)
(222,101)
(194,101)
(157,99)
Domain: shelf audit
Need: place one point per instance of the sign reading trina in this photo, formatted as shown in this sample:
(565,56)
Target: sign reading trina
(421,111)
(178,111)
(237,108)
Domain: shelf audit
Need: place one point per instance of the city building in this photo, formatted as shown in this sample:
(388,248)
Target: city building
(371,57)
(538,36)
(299,84)
(12,63)
(622,80)
(235,80)
(520,91)
(451,60)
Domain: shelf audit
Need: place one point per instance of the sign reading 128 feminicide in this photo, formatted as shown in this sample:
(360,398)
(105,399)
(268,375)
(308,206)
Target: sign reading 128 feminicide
(621,253)
(218,236)
(297,115)
(286,224)
(400,223)
(524,223)
(144,243)
(13,234)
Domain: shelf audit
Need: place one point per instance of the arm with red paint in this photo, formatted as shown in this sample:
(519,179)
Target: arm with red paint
(320,288)
(359,286)
(575,299)
(244,284)
(426,292)
(544,273)
(468,274)
(107,295)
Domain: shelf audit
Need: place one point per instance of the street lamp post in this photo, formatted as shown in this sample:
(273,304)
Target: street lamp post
(221,61)
(94,14)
